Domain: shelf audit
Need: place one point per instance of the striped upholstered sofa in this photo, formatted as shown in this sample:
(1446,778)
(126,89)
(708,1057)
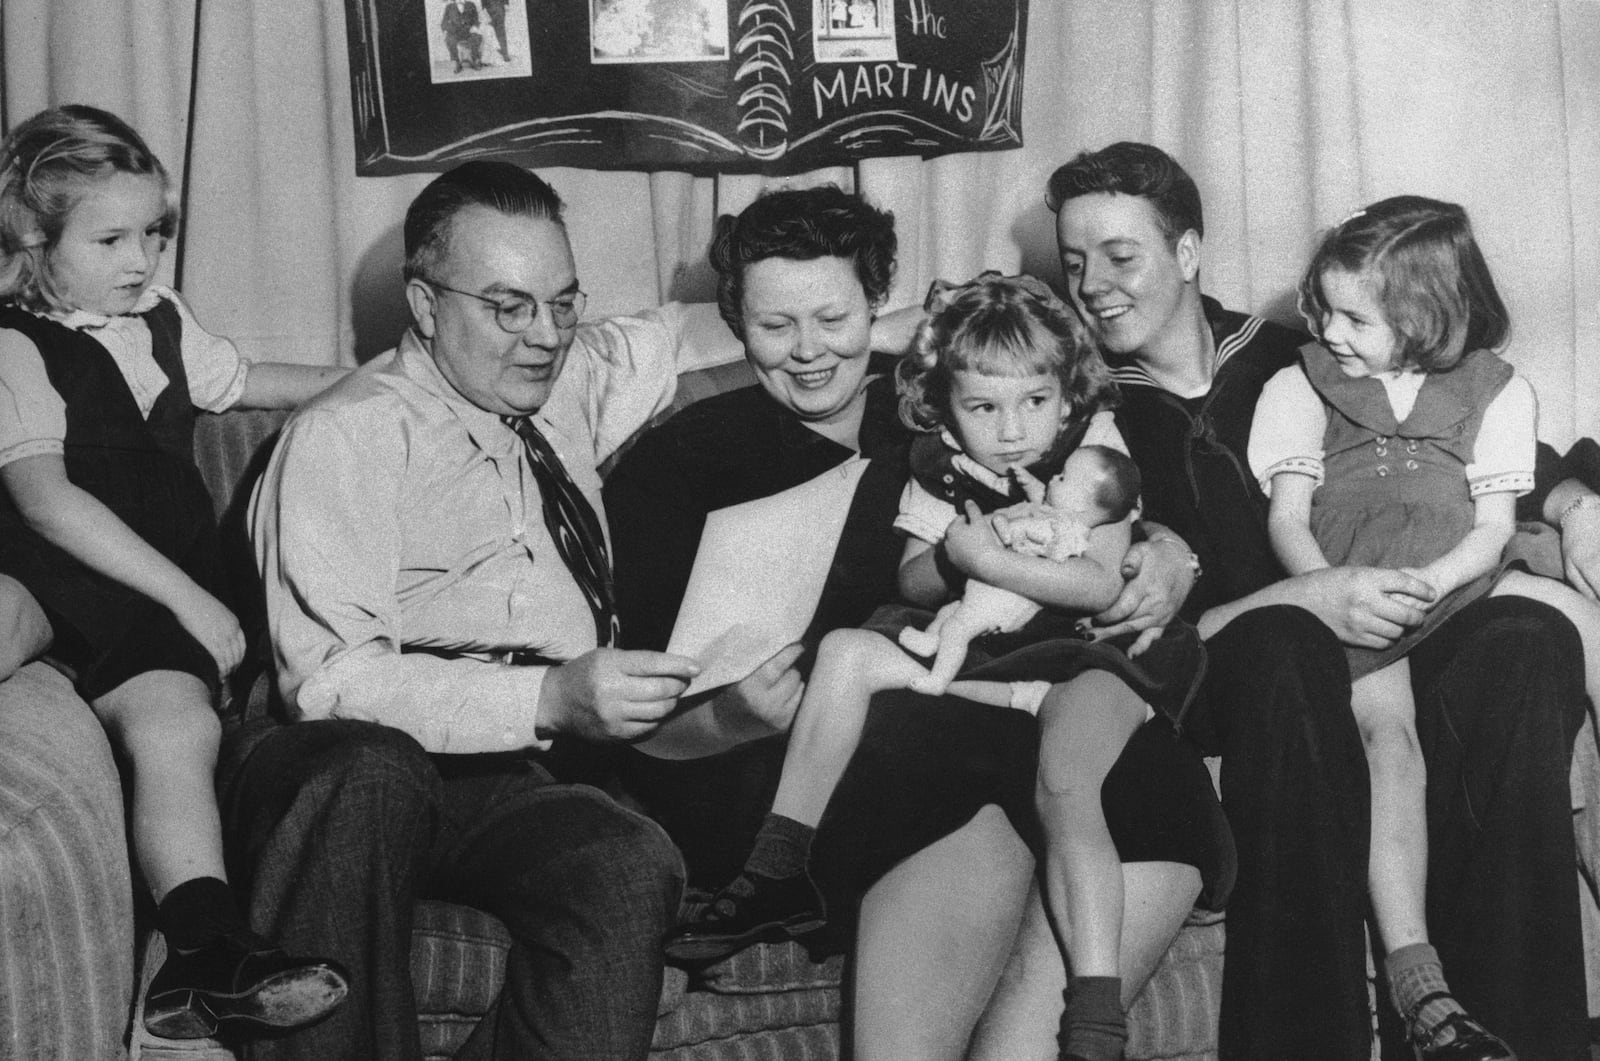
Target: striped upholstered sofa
(769,1002)
(67,946)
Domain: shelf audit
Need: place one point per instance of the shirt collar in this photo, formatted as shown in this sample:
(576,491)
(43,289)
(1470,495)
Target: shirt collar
(417,362)
(1001,484)
(81,319)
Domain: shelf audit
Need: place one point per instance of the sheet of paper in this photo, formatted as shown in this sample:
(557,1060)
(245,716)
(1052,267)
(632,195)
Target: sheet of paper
(759,574)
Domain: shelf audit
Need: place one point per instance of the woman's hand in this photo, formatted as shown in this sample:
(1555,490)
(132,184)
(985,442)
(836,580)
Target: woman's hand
(768,695)
(1580,550)
(971,543)
(210,622)
(1157,579)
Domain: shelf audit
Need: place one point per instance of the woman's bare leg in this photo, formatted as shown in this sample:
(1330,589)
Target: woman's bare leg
(1083,726)
(1022,1019)
(934,935)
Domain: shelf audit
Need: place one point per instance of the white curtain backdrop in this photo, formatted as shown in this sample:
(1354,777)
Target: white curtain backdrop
(1289,114)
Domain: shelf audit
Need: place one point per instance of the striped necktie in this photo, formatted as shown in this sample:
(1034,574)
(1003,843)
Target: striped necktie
(575,528)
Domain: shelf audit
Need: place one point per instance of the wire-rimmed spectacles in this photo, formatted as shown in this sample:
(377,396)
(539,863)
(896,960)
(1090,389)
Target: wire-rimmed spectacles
(515,314)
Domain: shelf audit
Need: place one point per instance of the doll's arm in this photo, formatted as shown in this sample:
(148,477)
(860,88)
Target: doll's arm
(1087,583)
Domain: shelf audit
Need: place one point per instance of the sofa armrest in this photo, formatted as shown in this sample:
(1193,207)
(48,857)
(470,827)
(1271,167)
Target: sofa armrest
(24,631)
(66,899)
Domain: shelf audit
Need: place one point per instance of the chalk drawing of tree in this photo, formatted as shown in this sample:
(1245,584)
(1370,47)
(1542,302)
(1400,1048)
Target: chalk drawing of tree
(765,32)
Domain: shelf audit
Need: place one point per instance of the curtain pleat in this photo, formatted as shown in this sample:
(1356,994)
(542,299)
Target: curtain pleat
(1289,115)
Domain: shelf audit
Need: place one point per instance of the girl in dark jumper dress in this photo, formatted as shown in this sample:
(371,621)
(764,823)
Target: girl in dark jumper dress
(105,519)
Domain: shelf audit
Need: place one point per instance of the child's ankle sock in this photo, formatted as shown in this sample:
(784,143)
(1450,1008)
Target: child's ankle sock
(198,912)
(1418,989)
(782,847)
(1093,1027)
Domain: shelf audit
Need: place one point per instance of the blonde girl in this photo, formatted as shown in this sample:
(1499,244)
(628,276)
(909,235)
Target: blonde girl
(104,518)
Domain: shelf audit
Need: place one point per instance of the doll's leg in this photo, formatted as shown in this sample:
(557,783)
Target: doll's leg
(926,642)
(955,634)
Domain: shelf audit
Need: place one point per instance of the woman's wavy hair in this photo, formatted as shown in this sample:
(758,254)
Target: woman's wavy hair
(1426,273)
(803,225)
(999,326)
(47,165)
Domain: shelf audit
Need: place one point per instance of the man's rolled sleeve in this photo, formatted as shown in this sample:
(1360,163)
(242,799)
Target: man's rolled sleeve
(326,527)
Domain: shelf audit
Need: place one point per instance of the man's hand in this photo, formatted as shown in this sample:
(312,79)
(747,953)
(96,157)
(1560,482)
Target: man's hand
(1580,550)
(1368,607)
(766,697)
(1158,577)
(613,694)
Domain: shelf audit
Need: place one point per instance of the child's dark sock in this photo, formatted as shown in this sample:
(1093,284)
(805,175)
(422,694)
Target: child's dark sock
(782,848)
(1418,990)
(1093,1027)
(198,912)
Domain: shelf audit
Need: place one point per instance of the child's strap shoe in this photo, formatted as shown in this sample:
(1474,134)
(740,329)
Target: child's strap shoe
(752,909)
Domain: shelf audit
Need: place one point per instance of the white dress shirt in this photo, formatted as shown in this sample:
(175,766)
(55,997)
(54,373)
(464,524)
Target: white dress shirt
(402,542)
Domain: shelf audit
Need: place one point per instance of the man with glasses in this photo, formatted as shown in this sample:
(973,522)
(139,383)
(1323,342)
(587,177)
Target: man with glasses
(439,597)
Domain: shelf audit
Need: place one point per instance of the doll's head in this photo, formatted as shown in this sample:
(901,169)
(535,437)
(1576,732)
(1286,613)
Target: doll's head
(1097,483)
(85,211)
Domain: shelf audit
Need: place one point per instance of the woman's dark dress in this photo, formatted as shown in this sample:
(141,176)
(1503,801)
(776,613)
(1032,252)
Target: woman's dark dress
(925,766)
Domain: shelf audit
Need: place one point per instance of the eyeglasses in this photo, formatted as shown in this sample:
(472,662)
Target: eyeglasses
(516,314)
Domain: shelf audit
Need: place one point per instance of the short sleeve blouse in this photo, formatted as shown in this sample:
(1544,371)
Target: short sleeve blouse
(32,415)
(1287,433)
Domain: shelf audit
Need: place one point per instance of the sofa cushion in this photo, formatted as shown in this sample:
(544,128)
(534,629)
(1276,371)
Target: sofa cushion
(769,967)
(66,900)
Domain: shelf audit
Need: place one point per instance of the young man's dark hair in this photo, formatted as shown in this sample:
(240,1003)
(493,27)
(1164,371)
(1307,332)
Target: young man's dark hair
(1127,168)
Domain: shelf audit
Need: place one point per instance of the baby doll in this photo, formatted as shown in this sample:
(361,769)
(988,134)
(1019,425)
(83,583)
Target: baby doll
(1096,485)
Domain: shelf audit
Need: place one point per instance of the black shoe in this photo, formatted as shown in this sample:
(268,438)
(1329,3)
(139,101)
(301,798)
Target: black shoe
(239,983)
(1464,1039)
(753,909)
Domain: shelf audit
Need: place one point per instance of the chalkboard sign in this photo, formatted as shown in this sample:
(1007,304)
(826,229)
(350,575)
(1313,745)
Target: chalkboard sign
(771,86)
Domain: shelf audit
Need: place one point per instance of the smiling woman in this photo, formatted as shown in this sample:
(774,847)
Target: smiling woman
(915,851)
